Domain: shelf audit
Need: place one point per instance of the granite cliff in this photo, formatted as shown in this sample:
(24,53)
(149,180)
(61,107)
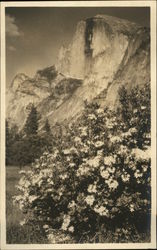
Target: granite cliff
(105,53)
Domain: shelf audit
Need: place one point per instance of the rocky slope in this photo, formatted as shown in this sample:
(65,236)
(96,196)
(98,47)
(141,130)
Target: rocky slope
(105,53)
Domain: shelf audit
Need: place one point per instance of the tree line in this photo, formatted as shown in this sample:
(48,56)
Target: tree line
(23,147)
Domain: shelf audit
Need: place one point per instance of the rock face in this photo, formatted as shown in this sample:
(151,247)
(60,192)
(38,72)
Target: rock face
(105,53)
(99,46)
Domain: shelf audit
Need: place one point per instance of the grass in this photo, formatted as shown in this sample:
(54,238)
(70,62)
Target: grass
(13,214)
(17,234)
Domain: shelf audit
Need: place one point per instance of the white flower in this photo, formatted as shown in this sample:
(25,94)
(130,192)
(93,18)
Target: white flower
(73,150)
(90,200)
(123,150)
(96,137)
(72,204)
(63,176)
(45,226)
(83,131)
(126,134)
(68,158)
(25,183)
(103,211)
(22,172)
(56,152)
(37,180)
(94,162)
(43,164)
(77,139)
(72,165)
(18,197)
(142,154)
(99,111)
(125,177)
(131,208)
(109,160)
(111,170)
(100,152)
(133,130)
(45,153)
(92,188)
(112,184)
(88,142)
(138,181)
(21,206)
(42,158)
(102,168)
(99,144)
(83,170)
(66,222)
(105,174)
(115,139)
(32,198)
(84,149)
(143,107)
(52,238)
(91,117)
(66,152)
(46,172)
(144,168)
(22,222)
(109,123)
(49,190)
(147,135)
(50,181)
(137,174)
(71,229)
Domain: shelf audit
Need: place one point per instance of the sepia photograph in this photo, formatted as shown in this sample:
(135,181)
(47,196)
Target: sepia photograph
(78,110)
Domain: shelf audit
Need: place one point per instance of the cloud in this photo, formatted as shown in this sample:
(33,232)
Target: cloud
(11,27)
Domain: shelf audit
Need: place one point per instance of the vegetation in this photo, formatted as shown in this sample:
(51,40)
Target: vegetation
(24,147)
(31,126)
(47,127)
(95,185)
(16,232)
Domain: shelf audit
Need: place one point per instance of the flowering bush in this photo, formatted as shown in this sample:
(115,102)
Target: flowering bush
(98,179)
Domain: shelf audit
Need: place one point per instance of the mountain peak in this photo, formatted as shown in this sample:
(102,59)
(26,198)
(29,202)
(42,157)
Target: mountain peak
(105,52)
(18,80)
(110,18)
(114,24)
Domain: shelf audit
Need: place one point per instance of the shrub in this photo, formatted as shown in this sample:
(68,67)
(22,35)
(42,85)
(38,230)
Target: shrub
(97,180)
(27,234)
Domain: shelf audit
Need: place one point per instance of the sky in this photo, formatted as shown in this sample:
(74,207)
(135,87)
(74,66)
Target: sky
(34,35)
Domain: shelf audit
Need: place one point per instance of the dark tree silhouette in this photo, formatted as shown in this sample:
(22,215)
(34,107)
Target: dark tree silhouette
(32,122)
(47,127)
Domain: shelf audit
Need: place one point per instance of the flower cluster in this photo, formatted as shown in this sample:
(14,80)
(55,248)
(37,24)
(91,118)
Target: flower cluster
(100,173)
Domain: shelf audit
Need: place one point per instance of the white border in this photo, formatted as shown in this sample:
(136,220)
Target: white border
(152,5)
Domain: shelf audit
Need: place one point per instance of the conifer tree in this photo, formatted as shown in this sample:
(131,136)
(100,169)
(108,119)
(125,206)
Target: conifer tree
(31,126)
(47,127)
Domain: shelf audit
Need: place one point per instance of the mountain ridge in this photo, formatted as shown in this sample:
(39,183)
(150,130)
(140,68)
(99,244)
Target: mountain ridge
(105,53)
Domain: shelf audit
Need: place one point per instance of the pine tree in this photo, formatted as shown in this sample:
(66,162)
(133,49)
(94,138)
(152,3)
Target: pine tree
(47,127)
(124,101)
(31,126)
